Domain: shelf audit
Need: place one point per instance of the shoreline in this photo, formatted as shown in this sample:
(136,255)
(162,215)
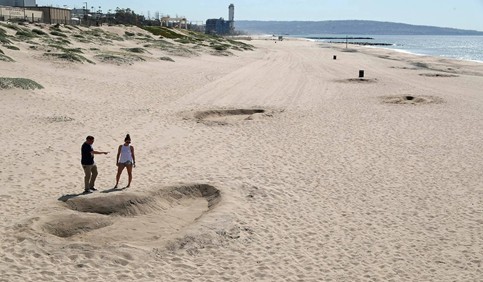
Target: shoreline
(448,56)
(426,55)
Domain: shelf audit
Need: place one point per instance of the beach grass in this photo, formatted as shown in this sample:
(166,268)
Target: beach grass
(135,50)
(5,58)
(39,32)
(66,50)
(101,35)
(160,43)
(4,40)
(69,56)
(199,40)
(168,59)
(69,27)
(171,48)
(164,32)
(22,34)
(185,40)
(110,58)
(56,39)
(219,47)
(55,27)
(58,33)
(12,47)
(22,83)
(11,26)
(119,58)
(242,45)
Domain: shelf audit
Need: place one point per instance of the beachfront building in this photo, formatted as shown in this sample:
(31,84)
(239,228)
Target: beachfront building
(52,15)
(27,10)
(18,3)
(79,12)
(89,17)
(217,26)
(221,26)
(8,13)
(48,15)
(180,22)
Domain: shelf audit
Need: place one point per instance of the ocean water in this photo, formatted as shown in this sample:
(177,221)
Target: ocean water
(456,47)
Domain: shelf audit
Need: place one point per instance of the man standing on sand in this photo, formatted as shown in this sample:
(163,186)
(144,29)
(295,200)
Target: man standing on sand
(90,168)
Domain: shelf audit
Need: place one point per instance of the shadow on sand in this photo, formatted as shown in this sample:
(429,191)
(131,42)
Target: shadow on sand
(114,190)
(65,198)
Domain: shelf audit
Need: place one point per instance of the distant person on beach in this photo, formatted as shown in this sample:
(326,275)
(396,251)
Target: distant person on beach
(87,161)
(125,159)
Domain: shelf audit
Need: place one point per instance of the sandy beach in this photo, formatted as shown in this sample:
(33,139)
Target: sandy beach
(275,164)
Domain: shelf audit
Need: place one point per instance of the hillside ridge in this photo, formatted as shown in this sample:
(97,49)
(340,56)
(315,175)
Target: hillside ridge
(361,27)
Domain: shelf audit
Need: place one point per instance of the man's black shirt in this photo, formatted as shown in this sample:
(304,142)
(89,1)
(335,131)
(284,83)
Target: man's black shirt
(87,156)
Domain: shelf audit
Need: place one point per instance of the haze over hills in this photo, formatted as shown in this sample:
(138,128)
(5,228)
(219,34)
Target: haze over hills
(350,27)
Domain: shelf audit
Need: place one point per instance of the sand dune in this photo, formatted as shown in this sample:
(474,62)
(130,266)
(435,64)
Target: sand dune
(276,164)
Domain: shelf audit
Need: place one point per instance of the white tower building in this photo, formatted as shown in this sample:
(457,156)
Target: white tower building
(231,13)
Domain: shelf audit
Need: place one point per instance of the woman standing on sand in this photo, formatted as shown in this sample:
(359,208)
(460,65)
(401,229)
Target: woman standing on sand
(125,159)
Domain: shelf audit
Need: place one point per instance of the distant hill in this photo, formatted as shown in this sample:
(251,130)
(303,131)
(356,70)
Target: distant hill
(354,27)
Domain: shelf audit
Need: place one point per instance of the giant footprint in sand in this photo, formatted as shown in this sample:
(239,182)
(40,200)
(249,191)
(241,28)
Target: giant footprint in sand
(138,219)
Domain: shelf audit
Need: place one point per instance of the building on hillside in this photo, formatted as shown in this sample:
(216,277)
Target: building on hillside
(18,3)
(221,26)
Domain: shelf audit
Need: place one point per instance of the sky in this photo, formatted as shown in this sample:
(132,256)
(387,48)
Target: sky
(464,14)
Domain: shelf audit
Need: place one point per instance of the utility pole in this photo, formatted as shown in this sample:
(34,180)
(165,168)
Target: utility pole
(85,13)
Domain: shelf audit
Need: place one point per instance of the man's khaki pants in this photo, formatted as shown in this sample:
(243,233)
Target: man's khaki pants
(91,174)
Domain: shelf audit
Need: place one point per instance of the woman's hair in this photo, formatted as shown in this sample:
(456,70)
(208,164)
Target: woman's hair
(127,138)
